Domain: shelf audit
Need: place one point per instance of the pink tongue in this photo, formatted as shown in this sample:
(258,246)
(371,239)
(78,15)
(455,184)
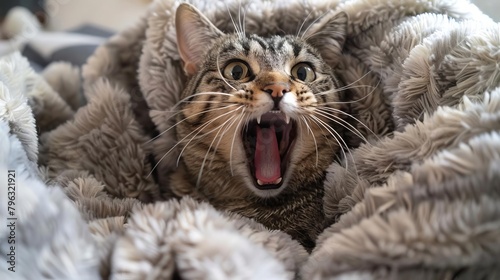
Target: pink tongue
(267,156)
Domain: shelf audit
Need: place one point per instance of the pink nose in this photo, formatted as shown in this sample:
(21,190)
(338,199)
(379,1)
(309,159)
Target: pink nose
(277,90)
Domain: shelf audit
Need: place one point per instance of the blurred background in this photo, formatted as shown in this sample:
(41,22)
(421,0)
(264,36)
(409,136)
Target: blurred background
(489,7)
(61,15)
(45,31)
(118,14)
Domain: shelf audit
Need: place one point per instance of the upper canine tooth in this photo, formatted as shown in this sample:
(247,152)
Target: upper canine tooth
(258,119)
(287,118)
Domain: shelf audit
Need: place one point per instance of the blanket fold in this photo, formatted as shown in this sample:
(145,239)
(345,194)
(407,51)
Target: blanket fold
(419,199)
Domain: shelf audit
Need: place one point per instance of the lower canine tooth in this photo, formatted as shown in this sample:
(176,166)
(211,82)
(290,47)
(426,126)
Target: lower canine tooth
(260,182)
(277,181)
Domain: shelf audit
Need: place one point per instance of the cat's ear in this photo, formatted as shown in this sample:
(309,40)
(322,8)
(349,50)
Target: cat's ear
(194,33)
(328,36)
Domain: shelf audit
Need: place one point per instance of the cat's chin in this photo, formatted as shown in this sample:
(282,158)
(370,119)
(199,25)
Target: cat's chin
(266,193)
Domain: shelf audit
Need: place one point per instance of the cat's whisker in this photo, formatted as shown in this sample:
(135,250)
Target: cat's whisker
(209,93)
(350,116)
(239,14)
(349,86)
(200,173)
(329,33)
(328,131)
(373,87)
(345,102)
(220,139)
(208,102)
(206,133)
(242,28)
(303,22)
(238,32)
(332,131)
(326,137)
(357,80)
(170,150)
(352,101)
(236,130)
(220,127)
(343,145)
(331,91)
(341,122)
(183,120)
(197,131)
(244,25)
(311,25)
(313,137)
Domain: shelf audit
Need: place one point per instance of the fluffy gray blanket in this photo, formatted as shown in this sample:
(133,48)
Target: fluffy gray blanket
(420,199)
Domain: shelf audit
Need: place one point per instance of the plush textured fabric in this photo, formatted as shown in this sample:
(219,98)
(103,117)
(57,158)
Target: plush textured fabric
(420,200)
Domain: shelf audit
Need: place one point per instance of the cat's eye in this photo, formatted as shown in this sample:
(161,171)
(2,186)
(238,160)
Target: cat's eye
(236,70)
(303,72)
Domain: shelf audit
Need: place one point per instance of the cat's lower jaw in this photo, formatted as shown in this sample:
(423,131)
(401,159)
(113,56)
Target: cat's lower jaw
(267,193)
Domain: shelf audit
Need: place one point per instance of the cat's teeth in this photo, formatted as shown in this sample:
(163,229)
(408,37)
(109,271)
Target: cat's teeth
(287,118)
(278,181)
(258,119)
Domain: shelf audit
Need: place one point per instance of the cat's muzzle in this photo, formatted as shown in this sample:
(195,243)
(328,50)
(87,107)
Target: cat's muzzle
(268,143)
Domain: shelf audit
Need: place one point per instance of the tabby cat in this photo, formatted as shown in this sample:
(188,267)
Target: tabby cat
(259,121)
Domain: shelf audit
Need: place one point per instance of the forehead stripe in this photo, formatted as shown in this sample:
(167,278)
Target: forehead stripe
(280,45)
(246,47)
(296,48)
(260,42)
(228,48)
(312,54)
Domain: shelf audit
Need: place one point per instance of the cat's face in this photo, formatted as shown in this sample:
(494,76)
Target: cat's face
(258,113)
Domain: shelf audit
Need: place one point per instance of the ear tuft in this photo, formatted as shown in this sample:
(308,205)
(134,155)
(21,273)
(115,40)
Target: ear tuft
(194,32)
(328,36)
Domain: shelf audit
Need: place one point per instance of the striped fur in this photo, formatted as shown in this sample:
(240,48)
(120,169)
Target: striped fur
(215,111)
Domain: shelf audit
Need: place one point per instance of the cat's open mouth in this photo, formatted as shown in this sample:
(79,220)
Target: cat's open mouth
(268,144)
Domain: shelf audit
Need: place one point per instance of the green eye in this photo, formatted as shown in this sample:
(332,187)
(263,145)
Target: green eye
(236,70)
(303,72)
